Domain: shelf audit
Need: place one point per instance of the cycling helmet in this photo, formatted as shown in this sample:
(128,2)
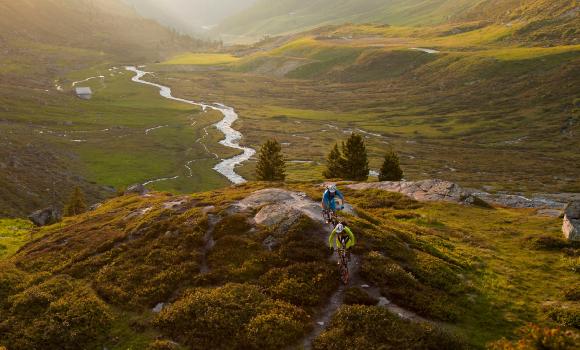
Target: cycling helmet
(339,228)
(332,188)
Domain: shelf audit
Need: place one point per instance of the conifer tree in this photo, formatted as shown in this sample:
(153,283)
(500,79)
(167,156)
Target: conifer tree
(334,164)
(356,163)
(76,204)
(271,164)
(391,169)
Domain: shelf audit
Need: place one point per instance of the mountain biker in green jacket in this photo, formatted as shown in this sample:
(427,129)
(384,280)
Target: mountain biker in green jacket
(341,236)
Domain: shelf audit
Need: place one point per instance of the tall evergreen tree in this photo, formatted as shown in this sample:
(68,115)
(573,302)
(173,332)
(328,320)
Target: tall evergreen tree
(391,169)
(356,163)
(334,164)
(271,164)
(76,204)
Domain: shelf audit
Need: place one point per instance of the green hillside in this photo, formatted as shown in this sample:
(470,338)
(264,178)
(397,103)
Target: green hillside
(468,102)
(189,272)
(45,45)
(267,17)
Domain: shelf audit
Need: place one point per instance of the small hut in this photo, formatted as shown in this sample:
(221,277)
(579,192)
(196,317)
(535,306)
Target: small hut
(84,92)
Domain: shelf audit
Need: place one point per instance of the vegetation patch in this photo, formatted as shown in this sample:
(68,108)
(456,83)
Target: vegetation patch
(233,316)
(201,59)
(372,327)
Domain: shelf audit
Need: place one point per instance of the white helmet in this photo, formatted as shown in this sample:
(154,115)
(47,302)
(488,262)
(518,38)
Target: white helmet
(332,188)
(339,228)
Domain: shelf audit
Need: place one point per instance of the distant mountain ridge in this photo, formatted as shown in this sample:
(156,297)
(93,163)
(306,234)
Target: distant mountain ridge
(284,16)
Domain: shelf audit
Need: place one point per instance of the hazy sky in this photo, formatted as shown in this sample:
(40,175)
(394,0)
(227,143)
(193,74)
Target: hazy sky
(189,15)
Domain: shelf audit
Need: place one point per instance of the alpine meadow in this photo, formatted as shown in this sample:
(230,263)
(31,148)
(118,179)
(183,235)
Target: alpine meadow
(291,174)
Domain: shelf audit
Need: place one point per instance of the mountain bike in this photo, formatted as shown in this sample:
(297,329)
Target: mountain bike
(331,216)
(343,265)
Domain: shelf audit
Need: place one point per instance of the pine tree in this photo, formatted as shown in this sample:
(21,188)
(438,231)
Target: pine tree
(391,169)
(334,164)
(356,163)
(271,165)
(76,204)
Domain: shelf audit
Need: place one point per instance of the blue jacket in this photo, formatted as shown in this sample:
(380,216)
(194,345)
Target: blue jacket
(328,200)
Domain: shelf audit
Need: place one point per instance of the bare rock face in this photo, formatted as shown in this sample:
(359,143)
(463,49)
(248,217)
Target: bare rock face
(571,225)
(424,191)
(47,216)
(279,207)
(137,189)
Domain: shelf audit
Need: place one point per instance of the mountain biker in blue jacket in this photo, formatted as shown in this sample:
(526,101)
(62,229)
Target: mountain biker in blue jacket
(329,198)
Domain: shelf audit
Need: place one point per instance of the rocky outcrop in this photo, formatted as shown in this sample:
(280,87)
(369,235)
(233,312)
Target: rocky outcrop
(279,207)
(47,216)
(425,191)
(440,190)
(139,189)
(571,225)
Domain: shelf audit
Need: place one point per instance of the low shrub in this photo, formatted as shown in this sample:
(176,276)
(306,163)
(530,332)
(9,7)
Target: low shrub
(232,225)
(304,284)
(357,296)
(535,337)
(542,242)
(68,312)
(403,288)
(372,327)
(565,314)
(572,293)
(234,316)
(232,251)
(278,325)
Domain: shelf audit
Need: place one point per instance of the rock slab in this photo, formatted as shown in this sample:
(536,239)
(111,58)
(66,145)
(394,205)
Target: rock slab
(571,225)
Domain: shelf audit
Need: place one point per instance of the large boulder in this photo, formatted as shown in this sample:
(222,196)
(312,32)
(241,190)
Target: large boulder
(279,207)
(47,216)
(571,225)
(139,189)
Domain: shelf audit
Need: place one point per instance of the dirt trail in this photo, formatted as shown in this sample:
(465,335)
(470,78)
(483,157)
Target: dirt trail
(278,206)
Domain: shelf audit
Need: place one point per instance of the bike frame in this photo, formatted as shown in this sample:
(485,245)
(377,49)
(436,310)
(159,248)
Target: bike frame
(343,266)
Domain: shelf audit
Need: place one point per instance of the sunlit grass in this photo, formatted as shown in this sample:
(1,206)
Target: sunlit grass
(202,59)
(13,234)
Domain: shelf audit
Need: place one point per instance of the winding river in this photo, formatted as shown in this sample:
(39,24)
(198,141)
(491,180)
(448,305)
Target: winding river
(232,137)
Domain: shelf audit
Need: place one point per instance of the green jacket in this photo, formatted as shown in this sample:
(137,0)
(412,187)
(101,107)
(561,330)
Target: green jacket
(333,239)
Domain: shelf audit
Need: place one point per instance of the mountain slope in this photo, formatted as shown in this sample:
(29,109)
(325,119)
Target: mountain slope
(267,17)
(239,269)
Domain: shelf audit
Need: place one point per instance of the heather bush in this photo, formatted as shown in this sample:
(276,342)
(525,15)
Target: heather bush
(565,314)
(276,326)
(357,296)
(234,316)
(232,225)
(68,312)
(535,337)
(304,284)
(403,288)
(372,327)
(572,293)
(542,242)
